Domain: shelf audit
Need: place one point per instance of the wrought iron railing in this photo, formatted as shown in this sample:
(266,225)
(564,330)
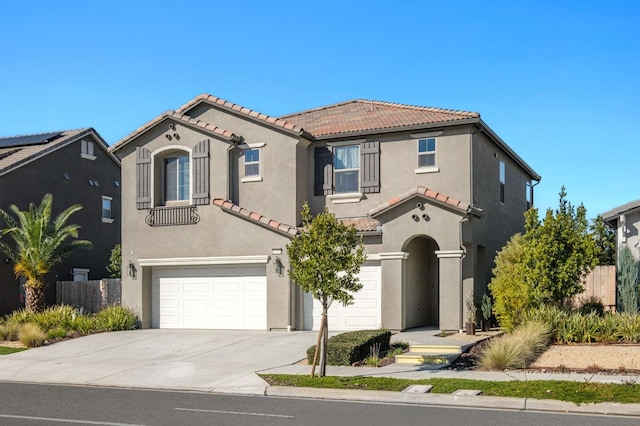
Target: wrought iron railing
(172,215)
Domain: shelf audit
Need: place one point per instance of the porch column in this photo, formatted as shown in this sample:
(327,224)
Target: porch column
(392,293)
(450,277)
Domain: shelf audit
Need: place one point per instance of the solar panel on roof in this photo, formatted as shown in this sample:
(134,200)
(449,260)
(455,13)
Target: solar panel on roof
(28,139)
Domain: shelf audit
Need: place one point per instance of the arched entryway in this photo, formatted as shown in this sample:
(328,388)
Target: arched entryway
(422,282)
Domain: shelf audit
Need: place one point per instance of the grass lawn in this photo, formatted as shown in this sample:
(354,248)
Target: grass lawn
(6,350)
(577,392)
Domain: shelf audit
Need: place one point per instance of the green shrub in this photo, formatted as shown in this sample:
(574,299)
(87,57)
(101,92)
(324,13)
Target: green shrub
(31,335)
(348,348)
(608,330)
(115,318)
(628,327)
(9,331)
(594,306)
(517,349)
(84,324)
(20,316)
(56,333)
(57,316)
(627,281)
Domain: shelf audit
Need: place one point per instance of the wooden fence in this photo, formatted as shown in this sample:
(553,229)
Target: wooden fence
(93,296)
(599,285)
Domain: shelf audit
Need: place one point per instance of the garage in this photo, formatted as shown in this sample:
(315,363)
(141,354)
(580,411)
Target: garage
(364,313)
(214,297)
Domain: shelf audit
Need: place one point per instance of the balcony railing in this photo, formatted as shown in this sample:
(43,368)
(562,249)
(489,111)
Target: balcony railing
(172,216)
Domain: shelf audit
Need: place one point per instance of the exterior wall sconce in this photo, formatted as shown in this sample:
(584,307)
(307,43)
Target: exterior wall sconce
(133,272)
(278,267)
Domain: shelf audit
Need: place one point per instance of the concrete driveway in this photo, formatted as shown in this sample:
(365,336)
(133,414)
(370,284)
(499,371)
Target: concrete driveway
(204,360)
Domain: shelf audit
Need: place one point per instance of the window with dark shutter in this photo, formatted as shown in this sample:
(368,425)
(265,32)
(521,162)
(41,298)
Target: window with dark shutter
(370,167)
(143,178)
(323,171)
(200,158)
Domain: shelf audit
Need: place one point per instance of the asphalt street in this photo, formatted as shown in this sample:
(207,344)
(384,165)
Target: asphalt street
(38,404)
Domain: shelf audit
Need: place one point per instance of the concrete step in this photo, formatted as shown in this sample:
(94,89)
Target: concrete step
(436,349)
(426,358)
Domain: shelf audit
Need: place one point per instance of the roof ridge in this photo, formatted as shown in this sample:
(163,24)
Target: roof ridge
(385,103)
(420,108)
(44,133)
(276,121)
(320,108)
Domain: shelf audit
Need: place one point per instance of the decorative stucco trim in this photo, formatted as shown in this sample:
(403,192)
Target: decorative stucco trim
(421,170)
(449,253)
(399,255)
(215,260)
(351,197)
(251,179)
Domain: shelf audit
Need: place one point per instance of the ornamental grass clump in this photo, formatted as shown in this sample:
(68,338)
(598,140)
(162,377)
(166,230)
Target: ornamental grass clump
(31,335)
(517,349)
(115,318)
(9,331)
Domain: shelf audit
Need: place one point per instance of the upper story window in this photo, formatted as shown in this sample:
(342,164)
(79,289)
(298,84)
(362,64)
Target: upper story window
(502,180)
(427,153)
(529,194)
(176,178)
(87,149)
(345,171)
(346,164)
(252,162)
(172,174)
(106,209)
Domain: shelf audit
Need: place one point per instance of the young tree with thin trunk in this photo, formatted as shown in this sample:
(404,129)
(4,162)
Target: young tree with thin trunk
(325,260)
(40,243)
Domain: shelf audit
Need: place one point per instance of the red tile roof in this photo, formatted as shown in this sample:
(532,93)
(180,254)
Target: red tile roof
(363,115)
(214,100)
(437,197)
(362,224)
(194,122)
(255,217)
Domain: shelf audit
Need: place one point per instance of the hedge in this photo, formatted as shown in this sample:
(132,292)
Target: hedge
(348,348)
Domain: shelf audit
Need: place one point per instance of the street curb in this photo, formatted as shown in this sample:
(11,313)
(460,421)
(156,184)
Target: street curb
(447,400)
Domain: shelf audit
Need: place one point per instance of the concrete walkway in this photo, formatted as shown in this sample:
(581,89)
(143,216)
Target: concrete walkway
(227,362)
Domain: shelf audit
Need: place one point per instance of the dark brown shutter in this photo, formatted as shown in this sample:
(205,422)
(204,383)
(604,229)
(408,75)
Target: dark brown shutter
(323,171)
(200,158)
(143,178)
(370,167)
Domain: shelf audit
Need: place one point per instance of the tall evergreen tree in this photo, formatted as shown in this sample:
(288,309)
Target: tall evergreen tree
(605,241)
(627,281)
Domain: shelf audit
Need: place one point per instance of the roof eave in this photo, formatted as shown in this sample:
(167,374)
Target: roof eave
(502,144)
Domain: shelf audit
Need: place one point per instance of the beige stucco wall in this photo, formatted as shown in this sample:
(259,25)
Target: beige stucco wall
(398,164)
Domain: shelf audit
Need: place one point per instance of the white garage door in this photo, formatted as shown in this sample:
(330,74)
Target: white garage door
(210,298)
(364,313)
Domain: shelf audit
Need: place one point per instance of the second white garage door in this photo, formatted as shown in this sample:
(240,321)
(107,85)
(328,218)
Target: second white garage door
(210,298)
(363,314)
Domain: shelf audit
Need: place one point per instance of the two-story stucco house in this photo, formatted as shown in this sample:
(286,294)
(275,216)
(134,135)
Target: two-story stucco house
(76,167)
(213,193)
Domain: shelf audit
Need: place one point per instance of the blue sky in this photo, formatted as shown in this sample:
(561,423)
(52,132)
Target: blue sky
(558,81)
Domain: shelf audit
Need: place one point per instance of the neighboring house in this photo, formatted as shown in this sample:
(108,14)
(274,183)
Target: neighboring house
(213,193)
(77,168)
(625,219)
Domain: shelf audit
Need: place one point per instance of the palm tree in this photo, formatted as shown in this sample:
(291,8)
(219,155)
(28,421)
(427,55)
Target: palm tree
(40,244)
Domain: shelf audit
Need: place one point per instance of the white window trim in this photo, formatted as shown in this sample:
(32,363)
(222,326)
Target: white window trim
(86,155)
(154,159)
(346,197)
(258,177)
(427,169)
(106,219)
(431,169)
